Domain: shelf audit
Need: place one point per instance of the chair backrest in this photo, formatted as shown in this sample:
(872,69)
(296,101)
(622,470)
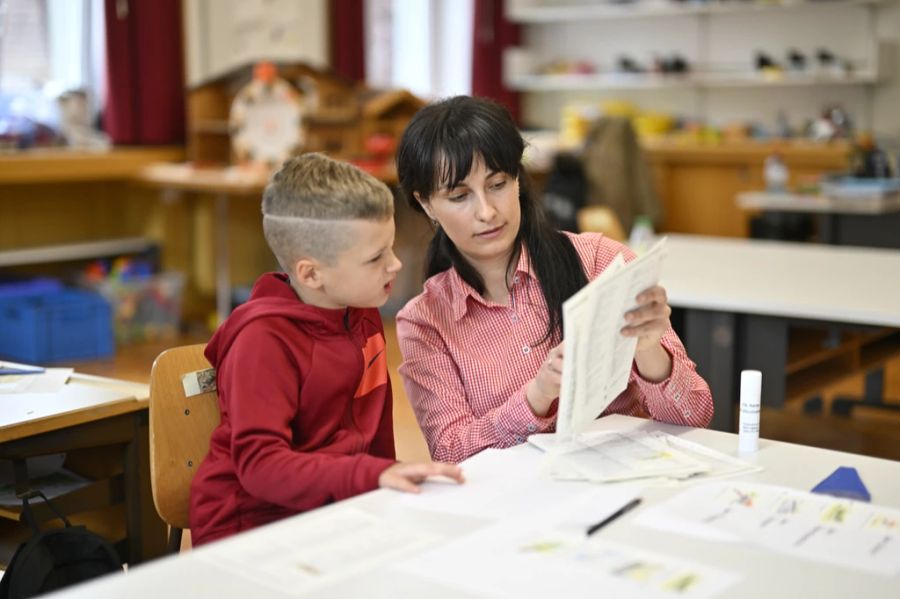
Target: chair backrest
(180,429)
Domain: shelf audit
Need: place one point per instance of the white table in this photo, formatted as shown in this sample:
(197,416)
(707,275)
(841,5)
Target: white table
(766,574)
(739,295)
(871,222)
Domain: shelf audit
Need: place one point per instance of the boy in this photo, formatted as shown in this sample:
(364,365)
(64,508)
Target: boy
(304,391)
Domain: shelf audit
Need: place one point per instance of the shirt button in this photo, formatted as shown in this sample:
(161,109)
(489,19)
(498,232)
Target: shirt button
(515,279)
(514,318)
(687,413)
(526,350)
(531,428)
(520,439)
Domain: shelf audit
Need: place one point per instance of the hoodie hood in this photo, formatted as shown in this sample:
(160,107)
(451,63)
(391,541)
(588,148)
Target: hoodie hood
(273,296)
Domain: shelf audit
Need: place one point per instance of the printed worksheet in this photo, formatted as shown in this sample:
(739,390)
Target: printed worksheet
(598,357)
(819,527)
(617,456)
(522,558)
(311,552)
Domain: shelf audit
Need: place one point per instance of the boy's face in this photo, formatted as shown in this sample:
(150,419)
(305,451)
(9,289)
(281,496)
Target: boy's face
(362,276)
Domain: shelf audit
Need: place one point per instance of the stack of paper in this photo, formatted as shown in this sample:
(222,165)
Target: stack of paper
(598,357)
(613,456)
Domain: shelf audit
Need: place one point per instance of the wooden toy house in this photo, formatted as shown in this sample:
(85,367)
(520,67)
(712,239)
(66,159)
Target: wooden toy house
(339,117)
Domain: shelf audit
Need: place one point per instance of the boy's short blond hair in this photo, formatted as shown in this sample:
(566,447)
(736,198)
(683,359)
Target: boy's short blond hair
(306,202)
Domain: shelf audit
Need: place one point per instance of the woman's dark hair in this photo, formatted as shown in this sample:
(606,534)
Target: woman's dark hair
(436,152)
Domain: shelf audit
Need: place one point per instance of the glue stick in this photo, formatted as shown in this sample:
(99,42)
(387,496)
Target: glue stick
(748,423)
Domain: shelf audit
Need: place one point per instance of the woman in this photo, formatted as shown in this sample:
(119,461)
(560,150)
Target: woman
(482,343)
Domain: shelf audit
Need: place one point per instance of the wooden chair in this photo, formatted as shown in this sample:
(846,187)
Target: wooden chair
(180,429)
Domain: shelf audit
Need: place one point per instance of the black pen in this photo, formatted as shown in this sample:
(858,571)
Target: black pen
(620,512)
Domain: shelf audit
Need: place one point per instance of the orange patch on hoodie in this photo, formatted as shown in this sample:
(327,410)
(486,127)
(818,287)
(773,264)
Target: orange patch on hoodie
(375,364)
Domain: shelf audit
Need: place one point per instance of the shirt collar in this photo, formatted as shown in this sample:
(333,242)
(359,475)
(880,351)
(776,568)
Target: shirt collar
(460,291)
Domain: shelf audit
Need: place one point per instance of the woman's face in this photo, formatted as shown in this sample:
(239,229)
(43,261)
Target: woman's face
(481,215)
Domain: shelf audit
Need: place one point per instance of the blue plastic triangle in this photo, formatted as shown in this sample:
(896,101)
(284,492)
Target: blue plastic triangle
(844,482)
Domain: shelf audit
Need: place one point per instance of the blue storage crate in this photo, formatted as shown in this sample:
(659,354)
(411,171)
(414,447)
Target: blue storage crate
(17,287)
(49,327)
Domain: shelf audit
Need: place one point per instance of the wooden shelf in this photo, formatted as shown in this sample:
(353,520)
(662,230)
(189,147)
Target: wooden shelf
(63,166)
(529,12)
(74,251)
(878,352)
(796,153)
(812,366)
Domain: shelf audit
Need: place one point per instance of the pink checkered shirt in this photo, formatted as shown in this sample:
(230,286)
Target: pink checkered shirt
(467,362)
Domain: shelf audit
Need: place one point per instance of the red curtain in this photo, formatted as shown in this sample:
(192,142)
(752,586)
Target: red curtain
(144,70)
(493,33)
(348,40)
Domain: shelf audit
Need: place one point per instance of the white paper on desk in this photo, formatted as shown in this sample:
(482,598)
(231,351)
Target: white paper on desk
(529,557)
(598,358)
(499,483)
(721,465)
(818,527)
(620,456)
(309,552)
(49,381)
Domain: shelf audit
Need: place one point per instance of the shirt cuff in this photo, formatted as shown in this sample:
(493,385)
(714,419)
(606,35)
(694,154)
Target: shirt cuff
(515,420)
(661,396)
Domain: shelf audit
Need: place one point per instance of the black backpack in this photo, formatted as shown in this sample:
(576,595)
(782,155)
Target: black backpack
(55,558)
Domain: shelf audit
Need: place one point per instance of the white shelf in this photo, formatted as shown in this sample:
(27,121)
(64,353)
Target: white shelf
(525,12)
(538,83)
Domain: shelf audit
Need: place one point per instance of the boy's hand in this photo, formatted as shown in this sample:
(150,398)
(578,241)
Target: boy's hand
(406,477)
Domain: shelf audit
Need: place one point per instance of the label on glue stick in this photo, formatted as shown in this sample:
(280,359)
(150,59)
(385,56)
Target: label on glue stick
(748,422)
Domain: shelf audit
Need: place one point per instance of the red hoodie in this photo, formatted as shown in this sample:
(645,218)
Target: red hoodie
(305,401)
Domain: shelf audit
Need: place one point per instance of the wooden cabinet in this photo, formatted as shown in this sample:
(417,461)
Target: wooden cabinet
(698,183)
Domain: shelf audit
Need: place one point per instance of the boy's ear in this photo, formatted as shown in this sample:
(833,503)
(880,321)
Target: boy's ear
(307,273)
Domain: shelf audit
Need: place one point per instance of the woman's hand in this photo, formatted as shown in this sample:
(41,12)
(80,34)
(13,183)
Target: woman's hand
(544,387)
(649,322)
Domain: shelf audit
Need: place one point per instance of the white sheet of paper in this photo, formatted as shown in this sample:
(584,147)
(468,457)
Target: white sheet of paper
(818,527)
(308,553)
(720,464)
(553,557)
(598,358)
(499,482)
(49,381)
(618,456)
